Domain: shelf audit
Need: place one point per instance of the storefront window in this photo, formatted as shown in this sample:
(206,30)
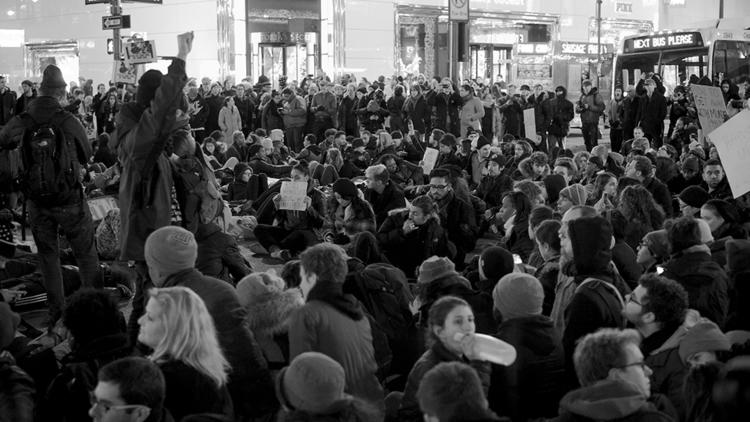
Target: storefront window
(412,54)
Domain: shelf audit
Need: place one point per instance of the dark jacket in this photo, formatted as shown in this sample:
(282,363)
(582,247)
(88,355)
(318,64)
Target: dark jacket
(595,106)
(246,107)
(438,353)
(214,104)
(722,191)
(705,281)
(250,383)
(189,391)
(560,114)
(419,112)
(7,105)
(533,385)
(446,107)
(219,255)
(547,274)
(610,401)
(458,219)
(492,188)
(651,114)
(313,218)
(16,392)
(392,198)
(626,262)
(67,398)
(23,103)
(269,317)
(145,207)
(395,109)
(357,217)
(408,251)
(661,194)
(270,118)
(198,118)
(263,166)
(518,241)
(347,116)
(661,354)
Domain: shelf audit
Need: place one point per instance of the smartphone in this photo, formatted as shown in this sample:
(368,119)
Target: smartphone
(517,259)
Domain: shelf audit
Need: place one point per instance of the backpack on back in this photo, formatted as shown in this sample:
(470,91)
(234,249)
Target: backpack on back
(51,172)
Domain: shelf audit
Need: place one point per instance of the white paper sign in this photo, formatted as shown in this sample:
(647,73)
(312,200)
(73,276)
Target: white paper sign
(529,123)
(101,205)
(710,105)
(124,73)
(140,51)
(429,159)
(730,140)
(292,196)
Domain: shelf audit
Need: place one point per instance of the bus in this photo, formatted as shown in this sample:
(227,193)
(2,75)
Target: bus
(716,51)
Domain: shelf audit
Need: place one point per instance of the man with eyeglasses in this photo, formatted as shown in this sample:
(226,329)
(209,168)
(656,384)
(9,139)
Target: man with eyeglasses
(129,390)
(456,215)
(658,309)
(615,381)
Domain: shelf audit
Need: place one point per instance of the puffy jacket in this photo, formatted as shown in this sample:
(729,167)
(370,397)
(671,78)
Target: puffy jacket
(560,114)
(668,369)
(595,106)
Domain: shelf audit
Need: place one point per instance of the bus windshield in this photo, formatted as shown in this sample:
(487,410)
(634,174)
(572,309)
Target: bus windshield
(675,66)
(731,60)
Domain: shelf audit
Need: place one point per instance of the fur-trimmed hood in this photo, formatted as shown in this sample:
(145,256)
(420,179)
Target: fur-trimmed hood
(269,314)
(527,170)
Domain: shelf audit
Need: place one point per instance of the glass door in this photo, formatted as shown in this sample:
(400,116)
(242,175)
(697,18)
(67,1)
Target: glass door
(272,62)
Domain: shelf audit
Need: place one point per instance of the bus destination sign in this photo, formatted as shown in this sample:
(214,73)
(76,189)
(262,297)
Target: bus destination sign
(663,42)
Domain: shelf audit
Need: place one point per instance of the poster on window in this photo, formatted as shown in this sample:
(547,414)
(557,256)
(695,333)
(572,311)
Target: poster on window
(411,60)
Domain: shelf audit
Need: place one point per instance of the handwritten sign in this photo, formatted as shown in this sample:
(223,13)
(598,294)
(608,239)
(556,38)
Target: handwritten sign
(429,159)
(124,73)
(101,205)
(292,196)
(710,105)
(140,51)
(529,123)
(730,140)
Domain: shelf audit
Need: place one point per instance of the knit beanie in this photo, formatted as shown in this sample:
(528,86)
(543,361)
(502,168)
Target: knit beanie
(482,141)
(171,249)
(591,238)
(695,196)
(312,383)
(434,268)
(345,187)
(277,135)
(658,242)
(496,262)
(576,193)
(553,184)
(147,85)
(357,142)
(52,77)
(703,337)
(254,287)
(738,255)
(9,321)
(518,295)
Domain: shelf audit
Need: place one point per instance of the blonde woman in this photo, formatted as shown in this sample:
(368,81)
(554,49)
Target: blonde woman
(181,332)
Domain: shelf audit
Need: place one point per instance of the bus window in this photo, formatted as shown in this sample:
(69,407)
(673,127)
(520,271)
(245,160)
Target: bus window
(731,59)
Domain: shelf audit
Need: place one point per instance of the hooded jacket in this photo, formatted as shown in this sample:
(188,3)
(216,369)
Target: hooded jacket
(596,107)
(531,387)
(268,317)
(609,401)
(560,114)
(661,354)
(704,280)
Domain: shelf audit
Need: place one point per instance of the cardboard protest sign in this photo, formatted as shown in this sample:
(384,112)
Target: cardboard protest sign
(429,159)
(292,196)
(140,51)
(730,140)
(124,73)
(529,123)
(710,105)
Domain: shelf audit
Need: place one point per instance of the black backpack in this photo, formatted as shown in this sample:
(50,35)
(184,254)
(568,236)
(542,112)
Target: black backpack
(51,173)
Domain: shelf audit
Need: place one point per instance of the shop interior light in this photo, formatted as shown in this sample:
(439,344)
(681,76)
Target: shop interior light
(11,12)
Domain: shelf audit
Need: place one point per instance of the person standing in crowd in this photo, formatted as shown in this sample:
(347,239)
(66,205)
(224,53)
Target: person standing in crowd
(62,208)
(26,97)
(334,323)
(417,111)
(478,160)
(657,308)
(447,103)
(652,110)
(323,107)
(347,111)
(615,113)
(614,381)
(246,107)
(271,117)
(171,253)
(229,118)
(395,106)
(472,110)
(133,387)
(7,102)
(294,114)
(560,114)
(678,108)
(591,107)
(214,101)
(381,193)
(197,110)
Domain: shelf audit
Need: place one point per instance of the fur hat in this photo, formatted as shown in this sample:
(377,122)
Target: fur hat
(147,86)
(171,249)
(312,383)
(52,78)
(576,193)
(9,321)
(482,141)
(703,337)
(496,262)
(269,307)
(434,268)
(695,196)
(518,295)
(277,135)
(345,187)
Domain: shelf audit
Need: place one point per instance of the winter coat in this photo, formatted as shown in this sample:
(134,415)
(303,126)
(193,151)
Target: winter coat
(533,385)
(67,398)
(511,111)
(626,262)
(705,281)
(438,353)
(419,112)
(458,219)
(296,112)
(547,275)
(250,383)
(610,401)
(722,191)
(198,118)
(147,207)
(446,109)
(23,103)
(382,203)
(518,241)
(372,114)
(219,255)
(336,326)
(189,391)
(246,107)
(268,317)
(408,251)
(327,101)
(356,217)
(17,392)
(395,106)
(270,118)
(312,218)
(595,106)
(215,103)
(661,354)
(661,194)
(492,188)
(229,121)
(262,166)
(560,113)
(7,105)
(651,114)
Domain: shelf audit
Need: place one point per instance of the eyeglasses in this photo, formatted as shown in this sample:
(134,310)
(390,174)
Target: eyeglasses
(642,364)
(106,408)
(438,187)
